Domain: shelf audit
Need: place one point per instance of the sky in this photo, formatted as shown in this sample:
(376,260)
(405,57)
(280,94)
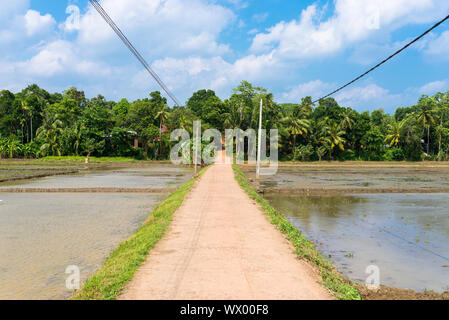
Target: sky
(293,48)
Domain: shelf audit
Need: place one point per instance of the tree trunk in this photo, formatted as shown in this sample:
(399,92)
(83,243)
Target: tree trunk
(160,136)
(145,146)
(294,145)
(428,139)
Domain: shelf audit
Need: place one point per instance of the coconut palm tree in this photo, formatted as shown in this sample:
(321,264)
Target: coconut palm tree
(347,121)
(394,133)
(78,132)
(426,116)
(162,115)
(49,132)
(333,137)
(297,126)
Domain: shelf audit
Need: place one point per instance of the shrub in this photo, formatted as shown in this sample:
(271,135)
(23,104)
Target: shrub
(394,154)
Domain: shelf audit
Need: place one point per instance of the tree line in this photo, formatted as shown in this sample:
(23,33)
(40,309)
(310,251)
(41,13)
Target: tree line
(35,123)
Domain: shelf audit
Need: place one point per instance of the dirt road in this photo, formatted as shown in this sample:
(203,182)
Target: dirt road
(220,246)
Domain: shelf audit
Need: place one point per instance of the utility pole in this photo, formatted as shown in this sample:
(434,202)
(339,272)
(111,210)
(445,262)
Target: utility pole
(259,145)
(197,145)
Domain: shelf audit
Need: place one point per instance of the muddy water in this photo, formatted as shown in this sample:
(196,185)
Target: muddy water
(156,177)
(356,178)
(41,234)
(405,235)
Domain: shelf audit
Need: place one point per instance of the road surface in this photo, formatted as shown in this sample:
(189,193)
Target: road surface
(221,246)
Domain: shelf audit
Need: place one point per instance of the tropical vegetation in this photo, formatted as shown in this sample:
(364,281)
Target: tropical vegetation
(36,123)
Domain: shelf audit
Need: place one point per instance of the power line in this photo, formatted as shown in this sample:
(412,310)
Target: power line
(129,45)
(384,61)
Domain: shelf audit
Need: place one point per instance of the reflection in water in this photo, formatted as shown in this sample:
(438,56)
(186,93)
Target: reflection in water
(41,234)
(406,235)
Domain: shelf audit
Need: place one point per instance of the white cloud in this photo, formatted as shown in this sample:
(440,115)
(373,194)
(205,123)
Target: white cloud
(253,31)
(352,21)
(158,27)
(260,17)
(367,93)
(35,23)
(315,89)
(439,47)
(60,57)
(12,8)
(434,87)
(369,96)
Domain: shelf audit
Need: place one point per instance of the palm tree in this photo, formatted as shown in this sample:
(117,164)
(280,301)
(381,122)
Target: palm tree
(298,126)
(426,116)
(78,131)
(347,120)
(334,137)
(50,131)
(394,133)
(162,115)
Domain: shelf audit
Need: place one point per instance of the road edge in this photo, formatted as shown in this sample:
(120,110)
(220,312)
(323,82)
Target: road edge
(339,286)
(119,268)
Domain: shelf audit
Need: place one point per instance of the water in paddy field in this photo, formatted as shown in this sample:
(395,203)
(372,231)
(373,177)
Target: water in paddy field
(405,235)
(156,177)
(43,233)
(356,178)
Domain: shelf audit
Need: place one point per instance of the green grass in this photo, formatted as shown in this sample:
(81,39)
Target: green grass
(109,281)
(341,288)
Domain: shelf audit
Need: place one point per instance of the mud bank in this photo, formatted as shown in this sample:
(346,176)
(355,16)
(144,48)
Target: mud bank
(389,293)
(331,191)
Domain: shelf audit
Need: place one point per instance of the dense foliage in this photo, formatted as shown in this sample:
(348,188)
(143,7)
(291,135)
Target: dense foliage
(35,123)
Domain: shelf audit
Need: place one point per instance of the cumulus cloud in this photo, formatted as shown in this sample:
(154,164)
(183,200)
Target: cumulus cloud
(183,42)
(368,96)
(439,47)
(60,57)
(315,89)
(159,27)
(12,8)
(352,21)
(35,23)
(434,87)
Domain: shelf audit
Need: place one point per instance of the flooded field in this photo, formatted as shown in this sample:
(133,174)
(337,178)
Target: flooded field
(364,179)
(405,235)
(43,233)
(154,177)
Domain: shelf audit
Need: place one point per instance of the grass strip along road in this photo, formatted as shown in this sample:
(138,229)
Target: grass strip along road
(108,282)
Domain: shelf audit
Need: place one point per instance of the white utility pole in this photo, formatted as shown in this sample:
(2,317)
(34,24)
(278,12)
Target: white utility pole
(196,145)
(259,145)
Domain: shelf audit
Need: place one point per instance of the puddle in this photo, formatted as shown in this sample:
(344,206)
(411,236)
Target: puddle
(405,235)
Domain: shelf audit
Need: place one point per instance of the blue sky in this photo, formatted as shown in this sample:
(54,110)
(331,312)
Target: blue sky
(292,48)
